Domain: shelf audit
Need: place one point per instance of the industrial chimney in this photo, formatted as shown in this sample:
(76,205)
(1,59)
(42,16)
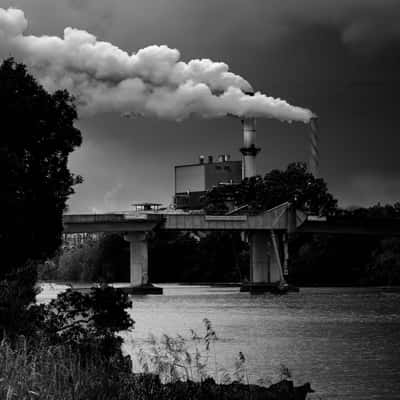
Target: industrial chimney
(313,163)
(249,149)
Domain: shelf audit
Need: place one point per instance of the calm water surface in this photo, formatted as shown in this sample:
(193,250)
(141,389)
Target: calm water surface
(345,341)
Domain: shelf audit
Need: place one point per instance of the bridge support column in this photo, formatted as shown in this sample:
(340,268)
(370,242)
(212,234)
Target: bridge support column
(264,265)
(139,265)
(138,258)
(267,258)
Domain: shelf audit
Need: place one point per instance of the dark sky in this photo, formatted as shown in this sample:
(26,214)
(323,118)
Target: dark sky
(339,58)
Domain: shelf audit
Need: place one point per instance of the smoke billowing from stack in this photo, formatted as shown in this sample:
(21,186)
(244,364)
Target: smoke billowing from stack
(151,82)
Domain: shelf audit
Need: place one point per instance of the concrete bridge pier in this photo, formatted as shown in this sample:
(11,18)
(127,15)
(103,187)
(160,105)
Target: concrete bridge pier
(139,265)
(267,260)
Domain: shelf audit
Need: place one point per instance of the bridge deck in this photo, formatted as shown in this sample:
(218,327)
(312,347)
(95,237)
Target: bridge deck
(276,218)
(119,222)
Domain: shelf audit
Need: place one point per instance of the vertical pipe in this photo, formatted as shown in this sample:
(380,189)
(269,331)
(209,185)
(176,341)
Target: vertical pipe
(277,255)
(249,132)
(285,255)
(314,155)
(249,149)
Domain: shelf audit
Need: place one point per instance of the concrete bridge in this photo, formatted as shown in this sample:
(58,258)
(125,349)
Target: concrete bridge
(267,235)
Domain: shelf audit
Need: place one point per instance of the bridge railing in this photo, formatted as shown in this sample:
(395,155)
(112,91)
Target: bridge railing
(90,218)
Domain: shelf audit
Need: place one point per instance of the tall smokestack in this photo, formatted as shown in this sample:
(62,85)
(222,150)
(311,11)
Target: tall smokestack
(313,164)
(249,149)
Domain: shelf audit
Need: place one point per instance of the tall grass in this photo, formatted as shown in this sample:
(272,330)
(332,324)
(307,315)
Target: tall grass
(31,371)
(59,372)
(194,358)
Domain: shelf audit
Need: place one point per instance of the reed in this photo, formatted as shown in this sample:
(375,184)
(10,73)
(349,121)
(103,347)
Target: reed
(41,371)
(170,369)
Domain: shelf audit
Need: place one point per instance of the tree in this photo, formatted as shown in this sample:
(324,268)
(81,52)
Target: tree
(322,259)
(378,211)
(189,257)
(174,257)
(300,187)
(384,266)
(38,134)
(102,260)
(294,184)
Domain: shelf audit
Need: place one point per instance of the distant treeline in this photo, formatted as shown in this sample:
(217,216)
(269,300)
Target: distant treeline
(320,259)
(173,257)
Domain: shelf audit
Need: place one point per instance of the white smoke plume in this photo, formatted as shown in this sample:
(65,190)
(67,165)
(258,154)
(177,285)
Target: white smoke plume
(151,82)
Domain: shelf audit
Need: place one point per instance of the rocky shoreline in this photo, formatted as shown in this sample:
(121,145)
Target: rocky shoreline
(210,390)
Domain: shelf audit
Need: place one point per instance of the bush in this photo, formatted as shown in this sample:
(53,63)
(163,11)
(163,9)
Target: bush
(70,350)
(384,267)
(17,292)
(85,321)
(103,260)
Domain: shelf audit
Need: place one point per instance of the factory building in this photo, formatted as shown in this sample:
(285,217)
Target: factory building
(192,181)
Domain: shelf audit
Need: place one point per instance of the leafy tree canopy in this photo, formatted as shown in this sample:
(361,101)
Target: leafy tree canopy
(295,184)
(38,134)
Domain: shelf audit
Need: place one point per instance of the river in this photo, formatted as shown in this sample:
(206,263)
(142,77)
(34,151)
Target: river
(345,341)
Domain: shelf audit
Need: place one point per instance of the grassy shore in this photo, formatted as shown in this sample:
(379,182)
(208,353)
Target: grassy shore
(39,371)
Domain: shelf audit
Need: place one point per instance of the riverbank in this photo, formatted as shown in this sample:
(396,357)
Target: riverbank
(40,371)
(210,390)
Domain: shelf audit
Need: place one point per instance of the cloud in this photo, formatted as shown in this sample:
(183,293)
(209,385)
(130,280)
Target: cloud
(367,23)
(153,81)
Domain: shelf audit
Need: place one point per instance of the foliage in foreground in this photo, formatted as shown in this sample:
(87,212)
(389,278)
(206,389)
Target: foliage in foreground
(72,352)
(70,348)
(59,372)
(38,134)
(84,321)
(88,322)
(17,291)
